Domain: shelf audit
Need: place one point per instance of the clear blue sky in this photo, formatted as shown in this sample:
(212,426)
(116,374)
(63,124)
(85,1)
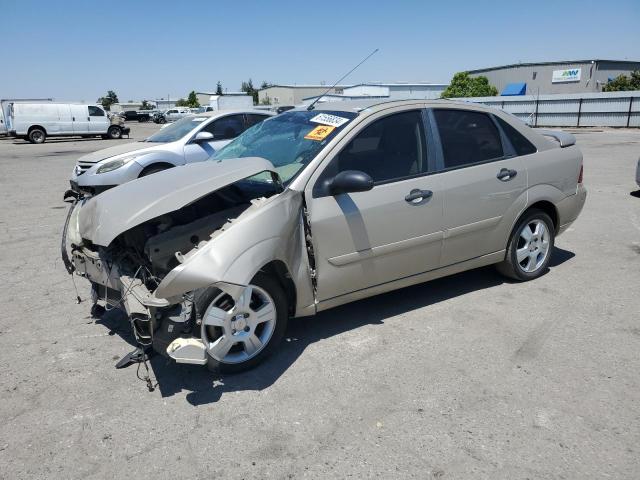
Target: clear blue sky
(76,50)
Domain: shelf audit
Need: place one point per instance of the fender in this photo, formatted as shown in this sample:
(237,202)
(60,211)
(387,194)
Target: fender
(534,194)
(159,156)
(275,225)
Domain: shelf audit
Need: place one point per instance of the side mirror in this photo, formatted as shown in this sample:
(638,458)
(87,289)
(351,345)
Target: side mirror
(350,181)
(203,137)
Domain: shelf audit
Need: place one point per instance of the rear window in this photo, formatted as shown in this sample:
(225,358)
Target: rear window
(519,142)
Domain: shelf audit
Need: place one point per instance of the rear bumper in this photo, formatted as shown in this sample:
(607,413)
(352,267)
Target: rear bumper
(570,207)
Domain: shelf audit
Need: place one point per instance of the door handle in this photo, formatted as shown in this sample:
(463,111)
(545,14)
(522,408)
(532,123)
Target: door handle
(506,174)
(73,119)
(88,119)
(417,194)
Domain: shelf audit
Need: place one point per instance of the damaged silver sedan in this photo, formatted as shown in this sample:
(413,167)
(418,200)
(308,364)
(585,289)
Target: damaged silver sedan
(316,208)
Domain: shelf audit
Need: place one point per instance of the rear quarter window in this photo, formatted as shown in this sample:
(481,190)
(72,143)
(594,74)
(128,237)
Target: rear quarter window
(519,142)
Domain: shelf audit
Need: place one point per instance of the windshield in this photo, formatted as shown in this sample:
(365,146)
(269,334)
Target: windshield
(176,130)
(289,141)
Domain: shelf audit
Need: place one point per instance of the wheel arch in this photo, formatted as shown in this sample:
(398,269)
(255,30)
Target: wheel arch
(32,127)
(151,165)
(547,207)
(279,270)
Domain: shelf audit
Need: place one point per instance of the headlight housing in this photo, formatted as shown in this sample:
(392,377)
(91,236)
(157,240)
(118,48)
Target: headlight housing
(115,164)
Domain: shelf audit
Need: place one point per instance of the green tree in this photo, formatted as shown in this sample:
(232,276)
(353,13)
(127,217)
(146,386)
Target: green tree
(250,90)
(462,85)
(622,83)
(219,88)
(146,105)
(181,102)
(192,100)
(109,99)
(265,84)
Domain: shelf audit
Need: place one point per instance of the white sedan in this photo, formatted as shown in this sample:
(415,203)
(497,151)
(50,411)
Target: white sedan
(191,139)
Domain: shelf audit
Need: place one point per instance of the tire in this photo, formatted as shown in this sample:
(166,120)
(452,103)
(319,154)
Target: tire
(534,253)
(151,169)
(162,120)
(264,288)
(114,132)
(37,135)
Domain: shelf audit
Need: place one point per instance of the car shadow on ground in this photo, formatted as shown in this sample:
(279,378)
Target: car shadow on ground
(205,387)
(635,194)
(19,141)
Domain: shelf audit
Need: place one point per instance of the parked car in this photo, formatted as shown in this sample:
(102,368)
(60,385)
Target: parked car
(638,173)
(37,121)
(192,139)
(177,113)
(312,209)
(137,115)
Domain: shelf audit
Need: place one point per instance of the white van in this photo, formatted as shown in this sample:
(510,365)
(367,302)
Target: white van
(37,121)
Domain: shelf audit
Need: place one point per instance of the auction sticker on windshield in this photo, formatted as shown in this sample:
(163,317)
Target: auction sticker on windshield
(319,133)
(326,119)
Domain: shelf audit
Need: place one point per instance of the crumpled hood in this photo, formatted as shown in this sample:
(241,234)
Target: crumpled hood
(117,150)
(103,217)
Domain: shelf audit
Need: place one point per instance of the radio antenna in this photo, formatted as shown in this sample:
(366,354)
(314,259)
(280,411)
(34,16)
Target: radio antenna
(310,107)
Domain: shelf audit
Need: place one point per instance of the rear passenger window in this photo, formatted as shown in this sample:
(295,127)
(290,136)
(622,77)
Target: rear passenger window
(519,142)
(467,137)
(389,149)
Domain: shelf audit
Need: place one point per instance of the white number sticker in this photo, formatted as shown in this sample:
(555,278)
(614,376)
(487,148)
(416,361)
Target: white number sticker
(332,120)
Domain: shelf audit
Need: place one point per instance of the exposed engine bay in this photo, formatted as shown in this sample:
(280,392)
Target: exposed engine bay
(128,271)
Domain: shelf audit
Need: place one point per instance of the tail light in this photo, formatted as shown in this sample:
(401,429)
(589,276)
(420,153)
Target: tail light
(580,175)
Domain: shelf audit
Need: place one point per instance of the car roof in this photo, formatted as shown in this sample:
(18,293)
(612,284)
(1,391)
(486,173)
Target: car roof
(219,113)
(376,104)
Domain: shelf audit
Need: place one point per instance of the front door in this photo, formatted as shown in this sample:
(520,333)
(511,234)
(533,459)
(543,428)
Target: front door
(80,119)
(390,232)
(98,121)
(483,180)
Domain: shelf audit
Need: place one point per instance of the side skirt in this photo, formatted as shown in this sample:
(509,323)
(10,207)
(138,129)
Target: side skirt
(412,280)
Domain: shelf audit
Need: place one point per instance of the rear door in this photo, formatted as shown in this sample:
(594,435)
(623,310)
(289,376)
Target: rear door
(80,119)
(484,183)
(98,121)
(368,238)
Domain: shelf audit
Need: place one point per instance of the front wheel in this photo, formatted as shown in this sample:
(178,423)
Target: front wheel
(114,132)
(241,328)
(530,247)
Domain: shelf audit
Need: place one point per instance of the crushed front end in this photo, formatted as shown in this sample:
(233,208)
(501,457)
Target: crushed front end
(126,252)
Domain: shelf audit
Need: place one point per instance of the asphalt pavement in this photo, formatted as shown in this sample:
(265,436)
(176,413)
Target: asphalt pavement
(467,377)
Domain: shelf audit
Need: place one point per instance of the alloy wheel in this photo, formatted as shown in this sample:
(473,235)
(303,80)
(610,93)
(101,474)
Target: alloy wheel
(533,246)
(235,330)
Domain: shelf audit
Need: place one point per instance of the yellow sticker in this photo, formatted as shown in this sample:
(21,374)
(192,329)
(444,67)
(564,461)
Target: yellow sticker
(319,133)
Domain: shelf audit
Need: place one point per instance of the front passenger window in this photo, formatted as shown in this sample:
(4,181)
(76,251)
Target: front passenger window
(227,127)
(95,111)
(391,148)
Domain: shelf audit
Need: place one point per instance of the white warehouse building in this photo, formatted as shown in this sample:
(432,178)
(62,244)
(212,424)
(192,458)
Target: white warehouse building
(397,91)
(385,91)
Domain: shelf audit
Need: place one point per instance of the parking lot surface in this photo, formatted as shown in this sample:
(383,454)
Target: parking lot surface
(469,376)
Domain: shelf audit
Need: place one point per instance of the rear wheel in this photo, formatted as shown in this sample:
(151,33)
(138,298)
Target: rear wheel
(530,247)
(114,132)
(242,327)
(37,135)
